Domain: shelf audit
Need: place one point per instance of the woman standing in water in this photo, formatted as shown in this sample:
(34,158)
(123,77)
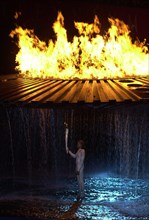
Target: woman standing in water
(80,157)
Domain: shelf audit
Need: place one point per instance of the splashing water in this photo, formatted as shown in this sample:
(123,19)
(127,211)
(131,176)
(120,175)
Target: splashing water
(106,197)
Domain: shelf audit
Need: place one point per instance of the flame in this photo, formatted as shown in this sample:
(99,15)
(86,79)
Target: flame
(89,56)
(17,14)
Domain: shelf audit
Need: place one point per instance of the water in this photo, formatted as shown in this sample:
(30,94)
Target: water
(11,144)
(107,197)
(32,140)
(37,176)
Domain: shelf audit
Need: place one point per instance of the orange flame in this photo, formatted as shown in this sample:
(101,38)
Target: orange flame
(88,56)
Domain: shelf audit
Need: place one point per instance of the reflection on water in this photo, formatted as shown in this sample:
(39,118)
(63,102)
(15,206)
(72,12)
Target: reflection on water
(107,198)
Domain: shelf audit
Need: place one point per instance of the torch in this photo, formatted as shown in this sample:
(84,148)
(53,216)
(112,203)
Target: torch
(66,136)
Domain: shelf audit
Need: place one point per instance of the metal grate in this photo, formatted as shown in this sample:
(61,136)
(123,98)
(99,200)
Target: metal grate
(15,90)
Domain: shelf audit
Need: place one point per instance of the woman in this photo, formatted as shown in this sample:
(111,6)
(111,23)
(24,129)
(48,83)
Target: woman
(80,157)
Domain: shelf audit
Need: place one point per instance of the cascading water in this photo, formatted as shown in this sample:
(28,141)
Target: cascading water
(11,144)
(116,139)
(40,175)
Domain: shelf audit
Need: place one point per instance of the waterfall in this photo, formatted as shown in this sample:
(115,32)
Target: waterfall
(11,144)
(116,139)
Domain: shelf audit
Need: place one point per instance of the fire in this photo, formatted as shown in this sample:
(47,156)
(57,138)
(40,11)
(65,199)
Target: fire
(89,56)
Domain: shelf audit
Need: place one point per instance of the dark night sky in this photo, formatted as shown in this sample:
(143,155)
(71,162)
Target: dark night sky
(40,15)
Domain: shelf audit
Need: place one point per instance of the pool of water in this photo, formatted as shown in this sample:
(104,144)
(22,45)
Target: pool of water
(107,197)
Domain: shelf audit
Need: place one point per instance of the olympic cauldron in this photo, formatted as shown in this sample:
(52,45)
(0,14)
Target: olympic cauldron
(109,112)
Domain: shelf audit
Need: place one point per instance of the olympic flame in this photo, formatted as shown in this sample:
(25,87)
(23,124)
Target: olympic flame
(89,56)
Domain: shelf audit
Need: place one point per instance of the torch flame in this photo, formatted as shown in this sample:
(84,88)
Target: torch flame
(88,56)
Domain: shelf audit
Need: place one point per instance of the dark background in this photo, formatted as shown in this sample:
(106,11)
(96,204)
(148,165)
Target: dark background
(32,142)
(40,15)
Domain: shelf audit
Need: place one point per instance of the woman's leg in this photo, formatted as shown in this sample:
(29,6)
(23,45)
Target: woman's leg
(80,179)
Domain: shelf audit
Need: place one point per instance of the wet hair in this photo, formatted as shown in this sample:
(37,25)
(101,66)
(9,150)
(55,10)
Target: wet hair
(82,143)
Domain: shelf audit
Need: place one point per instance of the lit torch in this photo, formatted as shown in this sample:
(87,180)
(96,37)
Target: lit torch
(66,136)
